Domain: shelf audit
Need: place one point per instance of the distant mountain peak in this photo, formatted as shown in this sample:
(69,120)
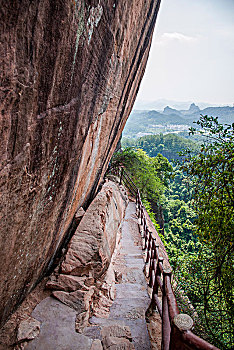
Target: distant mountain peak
(194,108)
(169,110)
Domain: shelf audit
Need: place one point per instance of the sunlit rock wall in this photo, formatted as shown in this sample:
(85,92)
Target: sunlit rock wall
(70,74)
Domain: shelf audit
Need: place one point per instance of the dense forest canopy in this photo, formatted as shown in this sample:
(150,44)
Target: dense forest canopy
(197,198)
(169,145)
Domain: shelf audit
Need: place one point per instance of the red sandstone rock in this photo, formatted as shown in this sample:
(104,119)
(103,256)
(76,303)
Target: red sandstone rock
(102,306)
(94,241)
(108,286)
(97,232)
(114,343)
(70,73)
(117,331)
(67,283)
(89,281)
(96,345)
(79,214)
(78,300)
(28,329)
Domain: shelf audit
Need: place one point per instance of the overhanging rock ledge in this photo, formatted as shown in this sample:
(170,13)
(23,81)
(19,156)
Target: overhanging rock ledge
(70,74)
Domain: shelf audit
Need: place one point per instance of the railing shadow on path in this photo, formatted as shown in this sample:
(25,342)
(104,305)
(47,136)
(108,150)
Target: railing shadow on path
(176,327)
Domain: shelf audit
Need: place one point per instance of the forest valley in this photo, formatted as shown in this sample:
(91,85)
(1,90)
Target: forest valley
(190,200)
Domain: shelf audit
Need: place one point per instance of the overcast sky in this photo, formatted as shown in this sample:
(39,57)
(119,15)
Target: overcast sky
(192,53)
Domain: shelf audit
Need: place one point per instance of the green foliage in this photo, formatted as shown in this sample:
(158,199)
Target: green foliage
(149,210)
(195,276)
(149,174)
(211,172)
(179,218)
(198,211)
(168,145)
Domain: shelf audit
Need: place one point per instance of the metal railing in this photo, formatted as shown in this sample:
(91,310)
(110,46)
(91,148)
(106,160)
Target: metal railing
(176,327)
(125,179)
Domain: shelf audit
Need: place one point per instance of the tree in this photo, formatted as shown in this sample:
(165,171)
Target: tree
(212,174)
(151,176)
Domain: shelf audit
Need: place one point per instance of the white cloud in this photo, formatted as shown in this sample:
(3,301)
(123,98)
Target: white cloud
(167,38)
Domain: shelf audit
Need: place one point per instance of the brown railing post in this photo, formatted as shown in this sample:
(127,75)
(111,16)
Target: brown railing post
(144,220)
(149,247)
(166,326)
(121,176)
(145,239)
(137,199)
(157,273)
(155,299)
(180,324)
(142,214)
(151,273)
(152,260)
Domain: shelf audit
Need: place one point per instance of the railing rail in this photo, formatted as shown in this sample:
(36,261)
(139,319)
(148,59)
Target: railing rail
(176,327)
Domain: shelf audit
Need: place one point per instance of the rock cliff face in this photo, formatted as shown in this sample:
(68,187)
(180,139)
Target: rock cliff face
(87,260)
(91,248)
(70,74)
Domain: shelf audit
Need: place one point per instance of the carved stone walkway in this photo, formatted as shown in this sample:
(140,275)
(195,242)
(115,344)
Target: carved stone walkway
(125,328)
(132,300)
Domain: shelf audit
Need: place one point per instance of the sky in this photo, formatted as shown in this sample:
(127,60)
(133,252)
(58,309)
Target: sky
(192,53)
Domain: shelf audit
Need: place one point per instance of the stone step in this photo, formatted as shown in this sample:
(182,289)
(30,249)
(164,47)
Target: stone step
(131,290)
(129,308)
(57,328)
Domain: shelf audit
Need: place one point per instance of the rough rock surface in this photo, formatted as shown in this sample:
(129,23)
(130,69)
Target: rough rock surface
(114,343)
(70,73)
(91,248)
(86,267)
(28,329)
(66,283)
(57,328)
(78,300)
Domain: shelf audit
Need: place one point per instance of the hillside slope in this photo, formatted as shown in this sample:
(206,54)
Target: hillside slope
(147,122)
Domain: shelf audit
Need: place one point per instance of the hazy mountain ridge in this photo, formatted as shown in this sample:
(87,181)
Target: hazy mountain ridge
(160,104)
(149,122)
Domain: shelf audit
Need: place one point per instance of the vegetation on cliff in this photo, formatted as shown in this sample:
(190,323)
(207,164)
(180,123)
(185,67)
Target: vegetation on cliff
(151,175)
(209,282)
(198,207)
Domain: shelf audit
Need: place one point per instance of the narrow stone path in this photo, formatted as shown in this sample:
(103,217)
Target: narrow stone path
(132,299)
(125,328)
